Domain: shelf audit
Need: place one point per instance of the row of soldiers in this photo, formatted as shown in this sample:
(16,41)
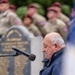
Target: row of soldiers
(34,22)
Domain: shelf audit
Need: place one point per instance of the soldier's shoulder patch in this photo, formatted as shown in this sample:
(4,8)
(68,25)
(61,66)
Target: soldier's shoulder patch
(42,23)
(64,29)
(17,21)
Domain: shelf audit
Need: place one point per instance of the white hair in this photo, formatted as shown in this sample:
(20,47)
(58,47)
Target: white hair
(57,39)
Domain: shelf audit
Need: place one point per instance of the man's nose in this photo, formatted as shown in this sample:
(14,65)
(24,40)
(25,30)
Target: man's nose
(43,50)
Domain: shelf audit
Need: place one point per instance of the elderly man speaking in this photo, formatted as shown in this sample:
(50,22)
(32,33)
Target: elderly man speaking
(53,46)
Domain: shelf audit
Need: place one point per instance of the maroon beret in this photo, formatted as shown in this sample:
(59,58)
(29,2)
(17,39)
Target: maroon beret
(4,1)
(56,4)
(52,9)
(12,7)
(32,6)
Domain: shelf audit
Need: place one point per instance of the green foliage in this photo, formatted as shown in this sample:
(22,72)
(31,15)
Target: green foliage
(66,9)
(21,11)
(41,11)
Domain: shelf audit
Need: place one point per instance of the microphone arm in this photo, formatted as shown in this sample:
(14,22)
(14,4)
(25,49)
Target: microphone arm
(20,51)
(30,56)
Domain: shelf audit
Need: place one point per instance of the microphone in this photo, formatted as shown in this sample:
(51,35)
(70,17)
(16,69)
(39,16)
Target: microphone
(30,56)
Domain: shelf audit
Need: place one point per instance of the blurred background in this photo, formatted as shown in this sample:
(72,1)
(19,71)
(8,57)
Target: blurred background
(43,5)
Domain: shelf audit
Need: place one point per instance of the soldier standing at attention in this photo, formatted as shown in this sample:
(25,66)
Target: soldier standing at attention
(7,18)
(54,24)
(28,22)
(38,20)
(60,15)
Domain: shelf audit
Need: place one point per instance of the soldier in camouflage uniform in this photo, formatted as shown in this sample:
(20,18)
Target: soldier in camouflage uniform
(60,15)
(28,22)
(54,24)
(7,18)
(38,20)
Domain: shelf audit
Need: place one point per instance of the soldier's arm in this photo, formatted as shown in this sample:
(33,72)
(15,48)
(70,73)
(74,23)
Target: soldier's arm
(41,20)
(63,30)
(15,20)
(47,27)
(35,30)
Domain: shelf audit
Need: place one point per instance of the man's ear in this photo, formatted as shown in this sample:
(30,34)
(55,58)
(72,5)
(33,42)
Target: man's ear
(56,47)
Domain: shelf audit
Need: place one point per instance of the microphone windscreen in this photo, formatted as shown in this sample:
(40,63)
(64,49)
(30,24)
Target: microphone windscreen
(32,57)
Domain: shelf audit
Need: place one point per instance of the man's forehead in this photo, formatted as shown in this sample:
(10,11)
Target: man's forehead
(49,36)
(46,40)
